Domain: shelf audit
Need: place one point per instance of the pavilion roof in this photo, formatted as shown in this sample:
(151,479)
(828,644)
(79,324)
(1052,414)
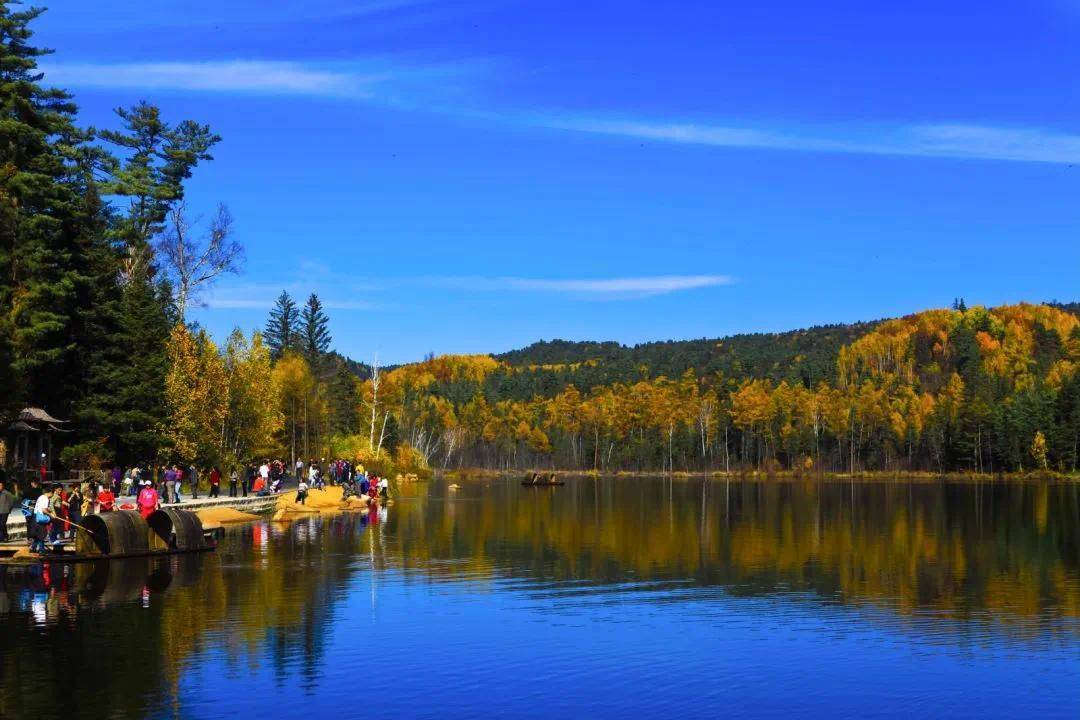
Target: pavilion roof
(33,414)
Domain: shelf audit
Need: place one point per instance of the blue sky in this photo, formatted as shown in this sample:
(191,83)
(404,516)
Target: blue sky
(473,176)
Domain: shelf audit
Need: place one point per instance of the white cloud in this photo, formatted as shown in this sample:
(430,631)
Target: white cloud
(928,140)
(438,88)
(595,287)
(248,76)
(262,296)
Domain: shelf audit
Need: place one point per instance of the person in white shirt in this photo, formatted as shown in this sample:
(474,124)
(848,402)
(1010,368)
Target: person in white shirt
(36,530)
(301,492)
(264,471)
(384,487)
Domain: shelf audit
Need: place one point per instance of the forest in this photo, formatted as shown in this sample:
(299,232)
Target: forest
(102,260)
(975,390)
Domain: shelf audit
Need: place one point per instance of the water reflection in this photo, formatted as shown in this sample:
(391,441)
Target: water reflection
(997,564)
(955,548)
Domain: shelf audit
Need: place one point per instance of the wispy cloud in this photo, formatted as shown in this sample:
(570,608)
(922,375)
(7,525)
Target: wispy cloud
(626,287)
(441,87)
(944,140)
(262,296)
(243,76)
(389,80)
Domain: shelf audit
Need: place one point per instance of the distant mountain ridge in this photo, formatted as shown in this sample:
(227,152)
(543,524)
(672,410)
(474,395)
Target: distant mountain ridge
(806,354)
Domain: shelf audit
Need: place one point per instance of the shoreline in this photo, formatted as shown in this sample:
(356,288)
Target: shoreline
(777,475)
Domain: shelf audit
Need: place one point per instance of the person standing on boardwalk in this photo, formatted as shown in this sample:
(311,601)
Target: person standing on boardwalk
(58,527)
(148,501)
(74,502)
(249,478)
(37,525)
(7,501)
(193,476)
(301,492)
(89,497)
(215,482)
(170,486)
(234,480)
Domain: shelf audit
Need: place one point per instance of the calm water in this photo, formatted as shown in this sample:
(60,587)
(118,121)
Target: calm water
(613,598)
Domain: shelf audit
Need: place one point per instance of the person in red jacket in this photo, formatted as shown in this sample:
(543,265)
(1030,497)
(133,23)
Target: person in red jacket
(148,501)
(106,499)
(215,482)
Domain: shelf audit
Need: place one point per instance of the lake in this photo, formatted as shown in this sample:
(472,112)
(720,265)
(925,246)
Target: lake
(621,597)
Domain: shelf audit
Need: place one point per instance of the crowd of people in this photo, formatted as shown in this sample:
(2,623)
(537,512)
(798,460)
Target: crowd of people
(53,511)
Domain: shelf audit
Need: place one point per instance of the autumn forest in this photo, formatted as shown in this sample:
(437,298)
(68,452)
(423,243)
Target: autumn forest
(103,259)
(956,390)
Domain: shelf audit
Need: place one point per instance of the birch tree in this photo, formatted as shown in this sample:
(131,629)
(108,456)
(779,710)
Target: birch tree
(195,262)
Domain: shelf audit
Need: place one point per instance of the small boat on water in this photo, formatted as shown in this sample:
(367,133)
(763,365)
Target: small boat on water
(542,480)
(125,534)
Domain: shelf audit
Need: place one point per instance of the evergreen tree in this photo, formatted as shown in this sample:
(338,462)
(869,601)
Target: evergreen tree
(139,386)
(344,401)
(282,332)
(158,158)
(41,223)
(315,333)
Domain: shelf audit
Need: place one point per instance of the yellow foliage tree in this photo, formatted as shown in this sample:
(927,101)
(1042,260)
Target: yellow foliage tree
(196,397)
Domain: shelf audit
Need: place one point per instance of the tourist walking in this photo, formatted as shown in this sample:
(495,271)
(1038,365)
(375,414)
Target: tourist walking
(215,482)
(234,480)
(7,501)
(301,492)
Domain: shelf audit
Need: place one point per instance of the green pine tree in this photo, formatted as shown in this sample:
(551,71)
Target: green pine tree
(158,158)
(42,224)
(314,332)
(139,386)
(282,331)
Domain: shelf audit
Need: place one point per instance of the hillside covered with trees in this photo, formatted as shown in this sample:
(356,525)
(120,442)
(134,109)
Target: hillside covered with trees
(964,389)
